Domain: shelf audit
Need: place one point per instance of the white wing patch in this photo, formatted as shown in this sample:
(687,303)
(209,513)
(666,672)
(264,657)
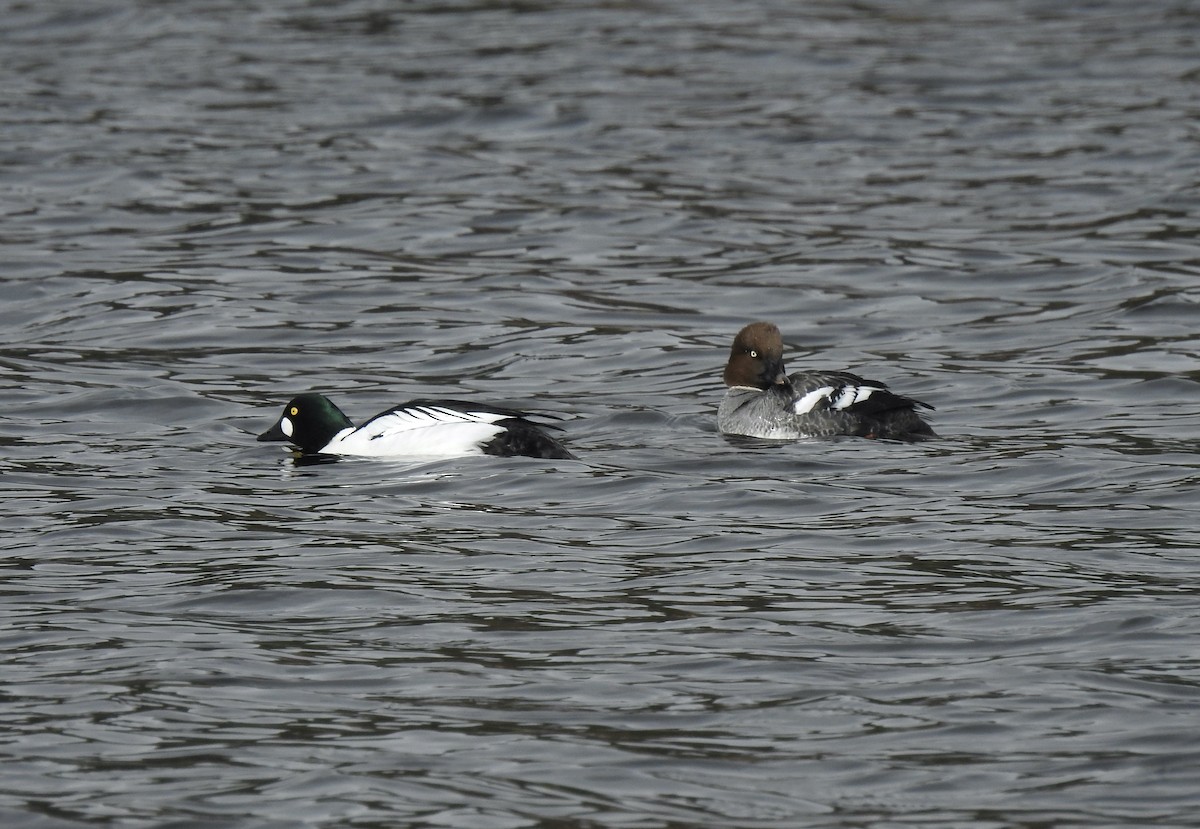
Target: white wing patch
(419,416)
(839,397)
(851,395)
(422,431)
(805,404)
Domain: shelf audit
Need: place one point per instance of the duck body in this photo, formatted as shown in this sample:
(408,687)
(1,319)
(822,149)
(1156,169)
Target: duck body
(763,401)
(416,429)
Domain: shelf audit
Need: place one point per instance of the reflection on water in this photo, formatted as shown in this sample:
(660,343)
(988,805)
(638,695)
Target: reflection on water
(572,210)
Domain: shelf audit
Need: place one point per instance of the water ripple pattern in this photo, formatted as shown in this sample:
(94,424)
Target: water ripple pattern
(571,208)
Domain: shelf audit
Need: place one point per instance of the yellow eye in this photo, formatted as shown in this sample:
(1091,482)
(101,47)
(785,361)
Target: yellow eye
(294,411)
(753,354)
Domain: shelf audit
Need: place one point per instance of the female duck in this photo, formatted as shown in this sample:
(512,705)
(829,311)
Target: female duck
(762,401)
(419,429)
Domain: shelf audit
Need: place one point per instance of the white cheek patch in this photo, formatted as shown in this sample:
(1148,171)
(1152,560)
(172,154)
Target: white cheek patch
(805,404)
(285,426)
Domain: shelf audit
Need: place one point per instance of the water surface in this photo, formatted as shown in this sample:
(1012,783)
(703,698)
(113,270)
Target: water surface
(209,207)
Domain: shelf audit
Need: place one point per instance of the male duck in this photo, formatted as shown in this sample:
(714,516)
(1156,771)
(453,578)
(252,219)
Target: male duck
(762,401)
(419,429)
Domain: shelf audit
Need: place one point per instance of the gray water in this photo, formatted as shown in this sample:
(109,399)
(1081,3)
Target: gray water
(572,207)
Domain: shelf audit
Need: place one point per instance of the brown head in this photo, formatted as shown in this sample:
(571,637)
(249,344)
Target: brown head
(756,360)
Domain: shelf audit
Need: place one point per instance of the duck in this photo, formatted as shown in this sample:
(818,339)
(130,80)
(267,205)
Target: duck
(763,401)
(416,429)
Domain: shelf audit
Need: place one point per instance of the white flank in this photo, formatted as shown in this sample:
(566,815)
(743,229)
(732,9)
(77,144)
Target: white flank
(423,431)
(806,403)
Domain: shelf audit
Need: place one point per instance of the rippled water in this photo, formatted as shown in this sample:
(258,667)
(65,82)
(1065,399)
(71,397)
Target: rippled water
(572,207)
